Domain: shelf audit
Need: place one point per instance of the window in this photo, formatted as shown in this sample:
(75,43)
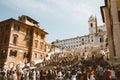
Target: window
(106,44)
(91,39)
(36,43)
(119,15)
(13,53)
(28,32)
(14,40)
(82,43)
(35,55)
(101,39)
(77,45)
(41,45)
(82,39)
(15,37)
(16,27)
(91,25)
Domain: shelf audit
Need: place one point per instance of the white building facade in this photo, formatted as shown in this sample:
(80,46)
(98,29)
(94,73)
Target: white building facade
(95,40)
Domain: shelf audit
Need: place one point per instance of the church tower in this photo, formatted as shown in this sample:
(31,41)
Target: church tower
(92,22)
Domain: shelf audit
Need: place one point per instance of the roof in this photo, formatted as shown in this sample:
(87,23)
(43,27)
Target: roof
(12,19)
(102,8)
(30,18)
(106,2)
(102,13)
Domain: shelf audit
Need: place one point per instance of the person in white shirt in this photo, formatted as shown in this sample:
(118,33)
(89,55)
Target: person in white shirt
(59,75)
(73,75)
(14,75)
(34,75)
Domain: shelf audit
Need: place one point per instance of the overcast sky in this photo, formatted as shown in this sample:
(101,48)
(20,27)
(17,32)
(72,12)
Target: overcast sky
(62,19)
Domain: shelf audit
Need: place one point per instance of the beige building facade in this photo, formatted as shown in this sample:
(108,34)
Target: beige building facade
(111,16)
(21,41)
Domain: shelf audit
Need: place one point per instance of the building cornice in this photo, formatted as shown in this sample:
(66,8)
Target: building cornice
(102,13)
(12,19)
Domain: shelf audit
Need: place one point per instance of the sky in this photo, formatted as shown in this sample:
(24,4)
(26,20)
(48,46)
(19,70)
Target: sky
(62,19)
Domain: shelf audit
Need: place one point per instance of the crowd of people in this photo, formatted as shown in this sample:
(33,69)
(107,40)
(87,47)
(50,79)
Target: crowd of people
(64,69)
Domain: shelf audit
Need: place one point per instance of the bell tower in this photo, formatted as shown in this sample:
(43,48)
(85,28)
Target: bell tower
(92,22)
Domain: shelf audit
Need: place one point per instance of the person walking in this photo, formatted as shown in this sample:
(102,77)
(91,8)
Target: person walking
(59,75)
(38,75)
(73,75)
(26,75)
(34,75)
